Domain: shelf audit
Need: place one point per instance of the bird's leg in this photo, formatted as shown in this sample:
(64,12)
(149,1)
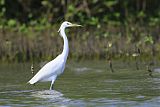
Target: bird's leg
(149,70)
(51,87)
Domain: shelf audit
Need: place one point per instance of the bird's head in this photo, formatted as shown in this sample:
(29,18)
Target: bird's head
(67,24)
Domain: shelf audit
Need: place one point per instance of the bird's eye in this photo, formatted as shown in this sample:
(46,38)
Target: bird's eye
(67,23)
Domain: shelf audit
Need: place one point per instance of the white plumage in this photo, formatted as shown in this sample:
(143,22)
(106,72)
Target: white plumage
(54,68)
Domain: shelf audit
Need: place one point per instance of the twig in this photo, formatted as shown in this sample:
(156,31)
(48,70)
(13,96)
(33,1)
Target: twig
(32,70)
(110,65)
(149,71)
(137,56)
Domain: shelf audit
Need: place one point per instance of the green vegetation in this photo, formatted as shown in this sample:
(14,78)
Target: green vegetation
(112,28)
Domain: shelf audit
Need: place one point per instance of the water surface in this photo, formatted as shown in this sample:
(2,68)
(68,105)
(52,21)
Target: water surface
(85,83)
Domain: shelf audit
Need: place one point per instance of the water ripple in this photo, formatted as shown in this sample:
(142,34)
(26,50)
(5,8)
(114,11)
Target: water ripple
(52,95)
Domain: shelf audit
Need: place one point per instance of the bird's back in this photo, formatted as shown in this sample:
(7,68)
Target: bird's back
(50,70)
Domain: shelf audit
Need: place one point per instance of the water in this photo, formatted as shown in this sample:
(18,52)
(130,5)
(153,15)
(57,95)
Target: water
(86,83)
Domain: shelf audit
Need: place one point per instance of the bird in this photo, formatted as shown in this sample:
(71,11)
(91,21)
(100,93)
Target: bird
(51,70)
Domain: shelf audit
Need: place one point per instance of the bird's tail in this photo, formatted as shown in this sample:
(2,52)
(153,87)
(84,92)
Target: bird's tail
(32,81)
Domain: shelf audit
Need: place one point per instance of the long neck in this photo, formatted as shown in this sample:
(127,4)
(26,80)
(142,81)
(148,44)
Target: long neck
(65,45)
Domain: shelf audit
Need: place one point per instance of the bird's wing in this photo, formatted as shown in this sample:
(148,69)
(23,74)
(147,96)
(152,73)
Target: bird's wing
(47,71)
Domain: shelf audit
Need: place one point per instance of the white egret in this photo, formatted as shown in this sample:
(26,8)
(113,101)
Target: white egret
(54,68)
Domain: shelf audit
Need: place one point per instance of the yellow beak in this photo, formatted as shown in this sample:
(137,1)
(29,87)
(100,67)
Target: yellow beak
(76,25)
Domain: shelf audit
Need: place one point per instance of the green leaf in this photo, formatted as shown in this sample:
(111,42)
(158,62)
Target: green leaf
(2,2)
(45,3)
(12,23)
(111,3)
(148,39)
(141,14)
(23,28)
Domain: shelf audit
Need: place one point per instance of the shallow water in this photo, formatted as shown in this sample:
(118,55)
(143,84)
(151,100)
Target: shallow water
(86,83)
